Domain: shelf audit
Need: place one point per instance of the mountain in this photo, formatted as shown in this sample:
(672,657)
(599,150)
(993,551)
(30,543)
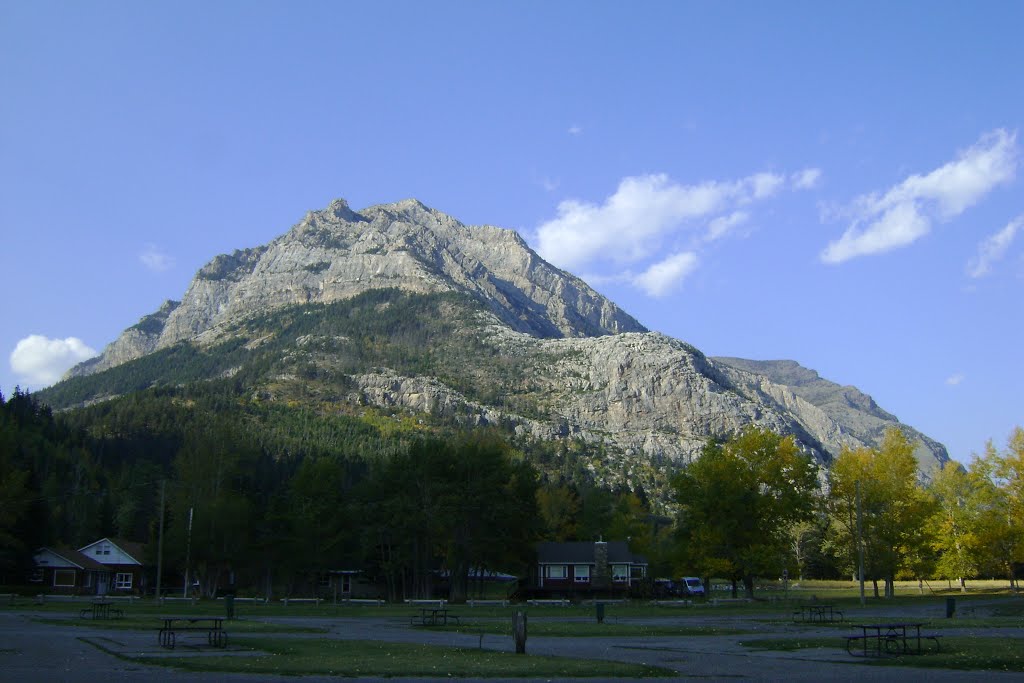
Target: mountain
(402,308)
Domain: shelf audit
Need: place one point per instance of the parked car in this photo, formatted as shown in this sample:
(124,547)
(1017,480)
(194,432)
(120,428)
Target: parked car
(692,585)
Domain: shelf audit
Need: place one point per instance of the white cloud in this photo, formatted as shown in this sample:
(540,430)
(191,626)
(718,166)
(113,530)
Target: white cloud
(575,130)
(766,184)
(650,215)
(40,361)
(155,259)
(954,380)
(723,225)
(631,224)
(806,179)
(905,212)
(994,248)
(662,277)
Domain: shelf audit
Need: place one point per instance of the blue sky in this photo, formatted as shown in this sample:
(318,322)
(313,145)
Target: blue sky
(837,184)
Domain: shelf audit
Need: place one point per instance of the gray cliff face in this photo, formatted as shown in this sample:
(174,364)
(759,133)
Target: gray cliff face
(135,342)
(337,253)
(582,368)
(841,416)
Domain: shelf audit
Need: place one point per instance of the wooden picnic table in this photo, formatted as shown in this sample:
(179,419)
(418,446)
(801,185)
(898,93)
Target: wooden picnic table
(214,627)
(894,638)
(817,613)
(433,616)
(100,609)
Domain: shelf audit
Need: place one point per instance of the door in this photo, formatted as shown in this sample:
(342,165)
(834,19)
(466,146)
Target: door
(102,583)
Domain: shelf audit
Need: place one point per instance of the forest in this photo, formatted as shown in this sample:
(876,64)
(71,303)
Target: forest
(281,493)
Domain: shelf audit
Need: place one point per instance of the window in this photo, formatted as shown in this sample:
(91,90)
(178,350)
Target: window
(64,577)
(555,571)
(103,549)
(36,576)
(88,580)
(581,573)
(123,581)
(346,583)
(620,572)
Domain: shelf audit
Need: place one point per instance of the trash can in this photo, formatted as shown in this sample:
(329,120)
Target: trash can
(600,612)
(229,605)
(950,607)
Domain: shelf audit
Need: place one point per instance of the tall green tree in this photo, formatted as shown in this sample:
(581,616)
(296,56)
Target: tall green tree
(738,502)
(1001,517)
(959,496)
(894,509)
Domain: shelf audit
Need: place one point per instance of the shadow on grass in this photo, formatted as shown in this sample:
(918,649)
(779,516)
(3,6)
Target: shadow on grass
(299,657)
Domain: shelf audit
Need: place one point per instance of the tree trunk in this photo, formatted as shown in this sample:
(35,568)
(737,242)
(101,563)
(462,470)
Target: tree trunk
(874,582)
(748,584)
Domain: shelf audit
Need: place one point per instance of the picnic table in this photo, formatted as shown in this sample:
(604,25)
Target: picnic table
(817,613)
(894,638)
(432,616)
(100,609)
(214,627)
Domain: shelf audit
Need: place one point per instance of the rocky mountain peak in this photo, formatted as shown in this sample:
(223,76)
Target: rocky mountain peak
(583,367)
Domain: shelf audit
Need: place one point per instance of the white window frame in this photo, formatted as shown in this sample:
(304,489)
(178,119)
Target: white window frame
(556,571)
(123,581)
(581,573)
(65,572)
(620,572)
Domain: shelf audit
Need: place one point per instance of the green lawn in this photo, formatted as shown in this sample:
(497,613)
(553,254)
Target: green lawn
(141,622)
(299,657)
(958,652)
(583,629)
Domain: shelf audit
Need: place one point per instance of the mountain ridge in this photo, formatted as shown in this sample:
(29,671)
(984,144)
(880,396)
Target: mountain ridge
(574,361)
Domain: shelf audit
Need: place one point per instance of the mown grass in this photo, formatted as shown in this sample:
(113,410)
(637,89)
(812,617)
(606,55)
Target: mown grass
(957,652)
(299,657)
(140,622)
(585,629)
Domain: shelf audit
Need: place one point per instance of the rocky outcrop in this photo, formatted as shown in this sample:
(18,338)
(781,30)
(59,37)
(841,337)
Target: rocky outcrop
(841,416)
(337,253)
(138,340)
(580,366)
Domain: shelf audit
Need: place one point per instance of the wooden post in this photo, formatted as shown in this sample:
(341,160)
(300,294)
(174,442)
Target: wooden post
(519,631)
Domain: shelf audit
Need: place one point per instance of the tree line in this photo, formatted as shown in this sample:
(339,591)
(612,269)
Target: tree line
(278,495)
(754,506)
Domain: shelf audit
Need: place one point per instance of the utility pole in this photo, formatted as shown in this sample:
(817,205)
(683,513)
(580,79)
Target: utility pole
(860,547)
(160,542)
(188,553)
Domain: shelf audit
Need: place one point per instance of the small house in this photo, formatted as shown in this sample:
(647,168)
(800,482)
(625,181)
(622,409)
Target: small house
(123,562)
(63,570)
(588,567)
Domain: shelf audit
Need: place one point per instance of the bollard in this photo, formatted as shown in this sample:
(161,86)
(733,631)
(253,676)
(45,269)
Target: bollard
(600,612)
(950,607)
(519,631)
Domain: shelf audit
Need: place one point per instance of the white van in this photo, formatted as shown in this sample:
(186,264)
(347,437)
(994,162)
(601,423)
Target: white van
(693,585)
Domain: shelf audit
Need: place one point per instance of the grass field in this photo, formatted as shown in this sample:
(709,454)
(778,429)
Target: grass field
(957,652)
(377,659)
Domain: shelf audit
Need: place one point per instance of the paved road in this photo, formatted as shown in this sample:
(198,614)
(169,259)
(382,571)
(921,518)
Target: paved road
(31,652)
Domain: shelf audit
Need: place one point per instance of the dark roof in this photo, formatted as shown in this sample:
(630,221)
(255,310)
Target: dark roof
(75,558)
(582,552)
(134,550)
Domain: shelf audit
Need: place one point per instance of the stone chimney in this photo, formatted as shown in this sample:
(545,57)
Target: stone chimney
(602,578)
